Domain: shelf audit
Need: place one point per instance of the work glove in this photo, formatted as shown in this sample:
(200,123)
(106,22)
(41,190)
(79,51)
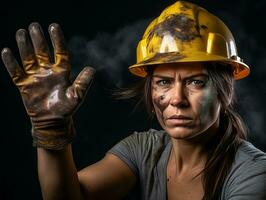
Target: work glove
(45,85)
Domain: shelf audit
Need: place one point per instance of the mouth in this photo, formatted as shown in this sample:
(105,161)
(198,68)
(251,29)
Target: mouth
(181,117)
(178,120)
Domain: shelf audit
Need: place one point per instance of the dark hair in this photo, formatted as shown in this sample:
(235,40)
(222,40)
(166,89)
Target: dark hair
(232,130)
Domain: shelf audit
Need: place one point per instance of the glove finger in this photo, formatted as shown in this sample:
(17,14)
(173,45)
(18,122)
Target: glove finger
(39,43)
(82,83)
(12,66)
(26,51)
(60,48)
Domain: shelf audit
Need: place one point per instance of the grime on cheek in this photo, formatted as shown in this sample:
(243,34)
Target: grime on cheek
(207,104)
(160,101)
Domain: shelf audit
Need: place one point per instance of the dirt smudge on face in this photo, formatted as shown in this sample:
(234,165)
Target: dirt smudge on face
(160,102)
(159,98)
(208,104)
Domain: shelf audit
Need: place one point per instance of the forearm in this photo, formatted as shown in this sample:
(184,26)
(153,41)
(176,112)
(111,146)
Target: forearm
(51,99)
(58,175)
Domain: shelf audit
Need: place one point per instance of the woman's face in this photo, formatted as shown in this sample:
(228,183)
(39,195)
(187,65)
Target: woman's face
(184,100)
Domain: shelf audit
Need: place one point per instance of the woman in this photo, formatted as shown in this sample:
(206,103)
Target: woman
(189,60)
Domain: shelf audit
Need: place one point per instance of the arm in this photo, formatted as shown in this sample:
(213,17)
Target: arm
(110,178)
(57,174)
(51,99)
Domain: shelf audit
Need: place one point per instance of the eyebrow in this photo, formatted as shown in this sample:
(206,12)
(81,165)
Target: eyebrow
(187,77)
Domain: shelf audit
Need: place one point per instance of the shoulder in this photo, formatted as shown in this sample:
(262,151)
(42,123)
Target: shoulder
(247,178)
(248,156)
(248,152)
(141,147)
(151,137)
(142,141)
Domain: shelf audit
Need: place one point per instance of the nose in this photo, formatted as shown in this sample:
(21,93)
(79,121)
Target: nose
(179,96)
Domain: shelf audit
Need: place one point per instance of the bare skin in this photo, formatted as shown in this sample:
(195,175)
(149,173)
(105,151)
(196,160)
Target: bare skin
(187,107)
(109,178)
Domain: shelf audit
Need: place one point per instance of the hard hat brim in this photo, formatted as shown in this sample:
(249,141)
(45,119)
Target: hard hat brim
(241,70)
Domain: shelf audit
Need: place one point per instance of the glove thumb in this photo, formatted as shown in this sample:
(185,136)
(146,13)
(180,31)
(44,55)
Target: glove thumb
(82,83)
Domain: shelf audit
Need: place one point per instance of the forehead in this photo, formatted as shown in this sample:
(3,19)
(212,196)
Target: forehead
(182,69)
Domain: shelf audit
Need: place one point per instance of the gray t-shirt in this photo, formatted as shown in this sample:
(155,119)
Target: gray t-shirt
(147,154)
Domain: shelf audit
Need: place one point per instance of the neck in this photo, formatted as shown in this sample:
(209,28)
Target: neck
(186,156)
(191,154)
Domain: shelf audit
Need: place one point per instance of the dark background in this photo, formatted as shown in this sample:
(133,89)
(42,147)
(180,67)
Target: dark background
(104,34)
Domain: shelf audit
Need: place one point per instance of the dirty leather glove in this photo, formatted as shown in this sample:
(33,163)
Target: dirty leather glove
(49,96)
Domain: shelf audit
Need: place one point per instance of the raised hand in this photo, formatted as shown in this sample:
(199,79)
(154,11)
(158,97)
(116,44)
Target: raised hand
(44,83)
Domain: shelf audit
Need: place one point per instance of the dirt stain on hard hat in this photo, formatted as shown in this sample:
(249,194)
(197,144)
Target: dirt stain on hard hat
(164,58)
(204,27)
(185,6)
(182,26)
(179,26)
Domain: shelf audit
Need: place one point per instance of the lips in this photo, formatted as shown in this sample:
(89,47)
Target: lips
(178,120)
(181,117)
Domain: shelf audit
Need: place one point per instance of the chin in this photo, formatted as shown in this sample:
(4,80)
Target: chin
(181,132)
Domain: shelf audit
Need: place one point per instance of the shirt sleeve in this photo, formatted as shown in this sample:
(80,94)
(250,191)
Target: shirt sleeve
(248,182)
(126,150)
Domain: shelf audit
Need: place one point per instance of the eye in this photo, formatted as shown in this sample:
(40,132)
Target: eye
(163,82)
(196,83)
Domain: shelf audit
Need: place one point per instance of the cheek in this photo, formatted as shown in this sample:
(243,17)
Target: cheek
(160,103)
(160,100)
(208,106)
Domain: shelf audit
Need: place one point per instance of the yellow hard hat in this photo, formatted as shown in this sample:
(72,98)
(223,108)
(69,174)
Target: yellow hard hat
(185,32)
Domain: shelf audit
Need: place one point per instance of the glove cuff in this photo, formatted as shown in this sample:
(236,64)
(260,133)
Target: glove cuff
(54,135)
